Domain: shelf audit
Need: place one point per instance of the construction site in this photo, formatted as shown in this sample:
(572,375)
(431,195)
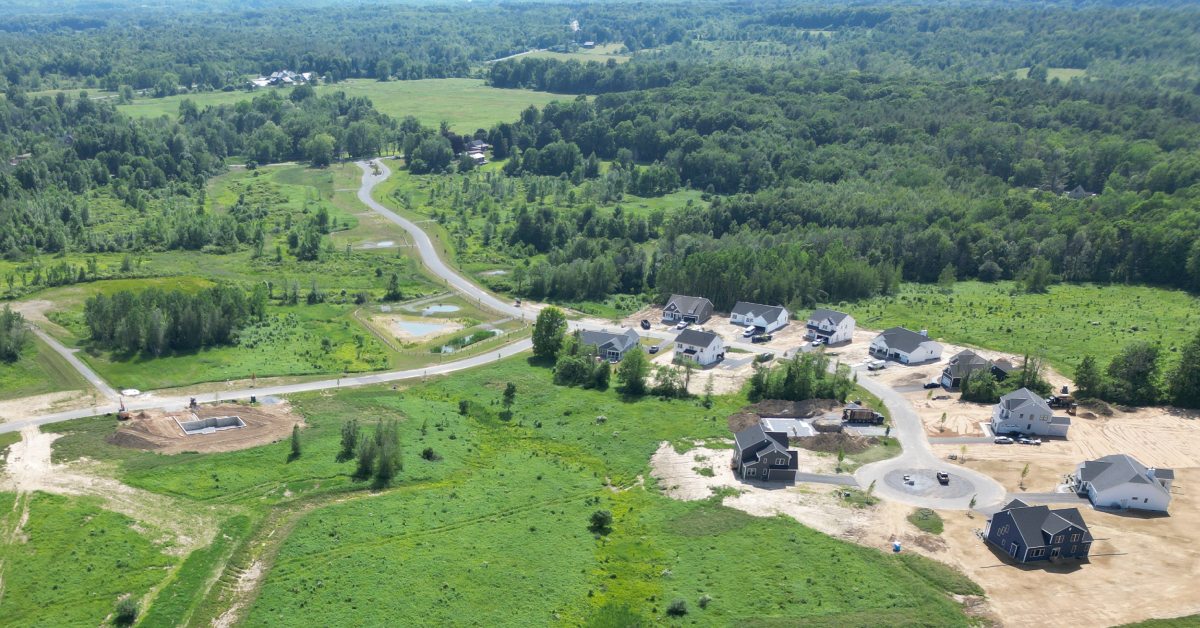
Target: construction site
(206,428)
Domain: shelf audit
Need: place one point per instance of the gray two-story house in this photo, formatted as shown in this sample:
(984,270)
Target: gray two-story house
(764,456)
(1033,533)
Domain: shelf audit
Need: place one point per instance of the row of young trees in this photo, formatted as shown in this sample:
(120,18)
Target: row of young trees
(157,322)
(377,455)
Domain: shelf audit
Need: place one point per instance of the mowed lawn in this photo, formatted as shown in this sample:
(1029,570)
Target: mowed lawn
(466,104)
(1070,321)
(486,510)
(39,370)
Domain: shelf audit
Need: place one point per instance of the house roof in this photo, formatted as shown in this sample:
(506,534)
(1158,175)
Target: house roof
(1112,471)
(1025,400)
(1037,524)
(833,316)
(1164,474)
(754,440)
(696,338)
(966,362)
(902,339)
(769,312)
(604,340)
(688,305)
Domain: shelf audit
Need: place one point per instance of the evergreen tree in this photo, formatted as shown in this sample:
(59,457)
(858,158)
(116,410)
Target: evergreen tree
(1183,386)
(1088,382)
(350,439)
(548,332)
(295,442)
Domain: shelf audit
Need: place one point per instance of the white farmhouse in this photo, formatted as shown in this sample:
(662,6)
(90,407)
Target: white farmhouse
(830,326)
(766,318)
(905,346)
(1120,481)
(1024,412)
(701,347)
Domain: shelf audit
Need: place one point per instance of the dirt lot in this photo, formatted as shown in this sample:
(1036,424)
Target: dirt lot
(24,407)
(155,430)
(394,325)
(788,338)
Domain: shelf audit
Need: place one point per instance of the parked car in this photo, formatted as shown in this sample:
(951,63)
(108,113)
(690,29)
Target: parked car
(645,324)
(1003,440)
(653,349)
(943,477)
(876,365)
(762,338)
(682,325)
(749,331)
(765,357)
(1029,441)
(933,384)
(818,342)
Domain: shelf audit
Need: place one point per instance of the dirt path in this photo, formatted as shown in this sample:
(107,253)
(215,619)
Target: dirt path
(29,468)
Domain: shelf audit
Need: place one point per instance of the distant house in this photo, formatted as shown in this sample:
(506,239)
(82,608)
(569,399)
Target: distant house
(687,309)
(477,146)
(477,158)
(766,318)
(609,346)
(762,455)
(589,44)
(966,363)
(282,77)
(701,347)
(830,326)
(1120,481)
(1024,411)
(1034,533)
(905,346)
(1079,193)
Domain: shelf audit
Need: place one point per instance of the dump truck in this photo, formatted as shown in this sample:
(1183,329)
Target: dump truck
(1060,401)
(862,415)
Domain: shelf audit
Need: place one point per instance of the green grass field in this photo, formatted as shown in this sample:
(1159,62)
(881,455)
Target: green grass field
(501,512)
(1061,326)
(467,104)
(601,54)
(39,370)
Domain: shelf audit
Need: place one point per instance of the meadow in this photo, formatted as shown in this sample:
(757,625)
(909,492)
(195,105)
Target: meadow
(499,510)
(39,370)
(1070,321)
(601,53)
(466,104)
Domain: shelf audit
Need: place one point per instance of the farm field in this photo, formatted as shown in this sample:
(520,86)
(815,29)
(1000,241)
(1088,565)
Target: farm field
(1072,320)
(466,104)
(472,484)
(601,53)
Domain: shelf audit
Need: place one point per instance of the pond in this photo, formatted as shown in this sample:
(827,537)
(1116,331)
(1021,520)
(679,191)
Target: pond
(419,329)
(439,309)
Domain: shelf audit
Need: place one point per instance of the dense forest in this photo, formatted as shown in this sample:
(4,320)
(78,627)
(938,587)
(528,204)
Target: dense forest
(157,322)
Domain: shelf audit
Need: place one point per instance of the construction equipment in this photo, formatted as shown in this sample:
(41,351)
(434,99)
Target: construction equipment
(1060,401)
(122,413)
(858,414)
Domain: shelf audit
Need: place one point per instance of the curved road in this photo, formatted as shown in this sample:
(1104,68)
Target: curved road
(916,457)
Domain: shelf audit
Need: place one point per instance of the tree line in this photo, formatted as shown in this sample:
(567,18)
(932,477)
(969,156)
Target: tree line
(157,322)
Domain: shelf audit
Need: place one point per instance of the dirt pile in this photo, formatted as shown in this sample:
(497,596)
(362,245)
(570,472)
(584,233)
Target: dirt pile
(778,408)
(160,431)
(831,443)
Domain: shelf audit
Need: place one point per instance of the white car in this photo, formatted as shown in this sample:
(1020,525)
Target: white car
(1003,440)
(750,330)
(682,325)
(818,342)
(876,365)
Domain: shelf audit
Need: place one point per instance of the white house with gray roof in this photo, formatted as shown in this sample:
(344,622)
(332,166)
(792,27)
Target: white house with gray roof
(681,308)
(609,346)
(830,326)
(905,346)
(766,318)
(1025,412)
(701,347)
(1121,481)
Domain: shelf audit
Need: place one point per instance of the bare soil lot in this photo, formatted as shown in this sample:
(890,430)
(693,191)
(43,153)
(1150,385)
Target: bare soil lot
(154,430)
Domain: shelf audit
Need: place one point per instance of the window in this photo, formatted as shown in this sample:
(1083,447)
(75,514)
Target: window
(1037,553)
(780,461)
(1004,530)
(1058,539)
(1074,538)
(753,471)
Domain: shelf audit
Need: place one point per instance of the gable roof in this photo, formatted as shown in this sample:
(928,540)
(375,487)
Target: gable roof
(754,442)
(696,337)
(833,316)
(746,308)
(688,305)
(604,340)
(902,339)
(966,362)
(1025,400)
(1037,525)
(1112,471)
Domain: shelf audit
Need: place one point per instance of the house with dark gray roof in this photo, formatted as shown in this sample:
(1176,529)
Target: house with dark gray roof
(1025,412)
(966,363)
(1121,481)
(701,347)
(1035,533)
(610,346)
(764,456)
(767,318)
(905,346)
(687,309)
(830,326)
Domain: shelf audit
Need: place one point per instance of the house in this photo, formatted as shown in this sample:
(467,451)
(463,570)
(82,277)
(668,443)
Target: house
(477,158)
(762,455)
(1033,533)
(1079,193)
(687,309)
(282,77)
(609,346)
(701,347)
(966,363)
(905,346)
(1120,481)
(766,318)
(830,326)
(589,44)
(477,146)
(1025,412)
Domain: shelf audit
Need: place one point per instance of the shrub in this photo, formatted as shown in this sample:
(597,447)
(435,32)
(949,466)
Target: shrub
(127,612)
(601,522)
(429,454)
(678,608)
